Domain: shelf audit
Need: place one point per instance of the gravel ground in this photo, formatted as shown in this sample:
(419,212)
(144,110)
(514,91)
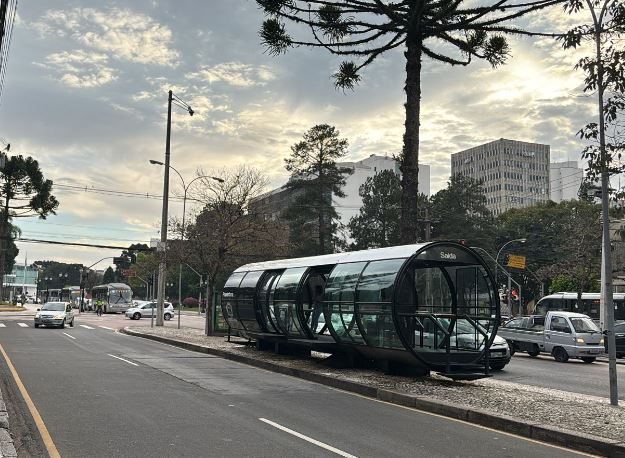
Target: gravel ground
(575,412)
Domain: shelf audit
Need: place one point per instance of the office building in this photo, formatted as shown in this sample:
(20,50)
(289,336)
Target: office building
(566,178)
(514,174)
(273,203)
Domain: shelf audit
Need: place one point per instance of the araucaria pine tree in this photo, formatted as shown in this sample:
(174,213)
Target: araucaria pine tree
(462,30)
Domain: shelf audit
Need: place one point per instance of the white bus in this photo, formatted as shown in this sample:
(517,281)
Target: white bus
(117,297)
(567,302)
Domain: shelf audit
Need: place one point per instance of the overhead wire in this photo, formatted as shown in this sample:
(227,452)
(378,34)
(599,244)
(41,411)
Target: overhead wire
(6,42)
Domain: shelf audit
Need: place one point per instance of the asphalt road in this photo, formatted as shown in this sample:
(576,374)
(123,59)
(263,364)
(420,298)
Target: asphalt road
(101,393)
(573,376)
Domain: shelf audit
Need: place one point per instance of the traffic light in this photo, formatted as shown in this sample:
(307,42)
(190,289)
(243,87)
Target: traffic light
(122,262)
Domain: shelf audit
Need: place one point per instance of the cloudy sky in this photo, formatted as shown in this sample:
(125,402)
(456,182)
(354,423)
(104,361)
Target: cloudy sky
(86,95)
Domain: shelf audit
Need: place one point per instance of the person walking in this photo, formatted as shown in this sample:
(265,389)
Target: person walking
(98,307)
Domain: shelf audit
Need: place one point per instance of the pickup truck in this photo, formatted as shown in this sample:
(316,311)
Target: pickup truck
(564,335)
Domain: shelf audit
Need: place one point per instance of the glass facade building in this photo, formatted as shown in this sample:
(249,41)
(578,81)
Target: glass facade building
(431,305)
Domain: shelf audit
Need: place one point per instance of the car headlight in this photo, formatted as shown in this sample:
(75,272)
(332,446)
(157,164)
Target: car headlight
(579,340)
(37,315)
(601,341)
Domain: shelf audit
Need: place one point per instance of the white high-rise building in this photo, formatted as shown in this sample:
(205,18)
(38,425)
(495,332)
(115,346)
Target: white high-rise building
(566,178)
(349,206)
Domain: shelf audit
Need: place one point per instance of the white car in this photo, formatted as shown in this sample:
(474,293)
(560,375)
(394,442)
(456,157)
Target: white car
(55,314)
(146,308)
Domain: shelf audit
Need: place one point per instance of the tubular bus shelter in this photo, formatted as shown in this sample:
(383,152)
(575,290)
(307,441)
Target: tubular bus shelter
(433,306)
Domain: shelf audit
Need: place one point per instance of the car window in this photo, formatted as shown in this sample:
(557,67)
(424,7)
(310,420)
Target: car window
(559,324)
(516,323)
(147,306)
(619,328)
(53,306)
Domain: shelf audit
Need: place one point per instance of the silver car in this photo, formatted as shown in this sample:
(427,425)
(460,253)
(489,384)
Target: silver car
(55,314)
(146,308)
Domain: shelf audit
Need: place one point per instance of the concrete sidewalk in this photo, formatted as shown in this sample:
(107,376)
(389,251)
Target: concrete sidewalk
(571,420)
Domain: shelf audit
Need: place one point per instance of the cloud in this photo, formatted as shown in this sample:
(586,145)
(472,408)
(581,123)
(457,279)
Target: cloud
(80,69)
(235,74)
(121,33)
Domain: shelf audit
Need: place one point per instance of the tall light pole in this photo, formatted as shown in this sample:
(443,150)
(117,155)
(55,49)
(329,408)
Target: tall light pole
(496,262)
(185,188)
(162,266)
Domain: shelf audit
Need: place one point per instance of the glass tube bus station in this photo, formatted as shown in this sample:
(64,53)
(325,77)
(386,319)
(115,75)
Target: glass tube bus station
(429,306)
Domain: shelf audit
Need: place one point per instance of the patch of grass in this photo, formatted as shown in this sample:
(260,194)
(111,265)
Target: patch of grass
(11,308)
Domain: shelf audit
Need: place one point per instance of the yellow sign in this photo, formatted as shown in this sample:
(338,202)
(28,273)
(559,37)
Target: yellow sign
(516,261)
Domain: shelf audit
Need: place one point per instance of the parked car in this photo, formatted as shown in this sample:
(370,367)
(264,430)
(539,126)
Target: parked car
(619,336)
(464,337)
(146,308)
(564,335)
(55,314)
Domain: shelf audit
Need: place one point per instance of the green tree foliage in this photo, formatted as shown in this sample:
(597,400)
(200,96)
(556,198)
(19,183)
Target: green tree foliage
(109,275)
(451,32)
(563,240)
(604,76)
(59,274)
(24,192)
(224,235)
(459,212)
(377,224)
(315,178)
(561,283)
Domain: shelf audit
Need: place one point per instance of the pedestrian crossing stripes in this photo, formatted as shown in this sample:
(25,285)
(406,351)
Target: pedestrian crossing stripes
(2,325)
(86,327)
(22,325)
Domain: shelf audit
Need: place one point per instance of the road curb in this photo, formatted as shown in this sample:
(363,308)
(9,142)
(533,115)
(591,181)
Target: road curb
(545,433)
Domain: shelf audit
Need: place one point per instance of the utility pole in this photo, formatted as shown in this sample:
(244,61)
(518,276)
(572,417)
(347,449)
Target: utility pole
(163,245)
(428,225)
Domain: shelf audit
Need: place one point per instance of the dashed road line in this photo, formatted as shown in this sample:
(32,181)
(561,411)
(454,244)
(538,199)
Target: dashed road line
(308,439)
(2,325)
(71,337)
(86,327)
(22,325)
(106,327)
(122,359)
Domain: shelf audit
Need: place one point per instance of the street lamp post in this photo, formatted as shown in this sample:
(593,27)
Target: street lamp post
(161,266)
(185,188)
(496,262)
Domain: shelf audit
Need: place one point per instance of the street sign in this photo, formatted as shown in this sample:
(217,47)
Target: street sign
(516,261)
(129,273)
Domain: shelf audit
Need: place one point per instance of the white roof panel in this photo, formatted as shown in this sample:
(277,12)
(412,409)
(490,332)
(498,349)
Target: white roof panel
(374,254)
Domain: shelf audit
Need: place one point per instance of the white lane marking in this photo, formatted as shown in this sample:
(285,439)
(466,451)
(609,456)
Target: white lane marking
(22,325)
(86,327)
(2,325)
(104,327)
(308,439)
(71,337)
(122,359)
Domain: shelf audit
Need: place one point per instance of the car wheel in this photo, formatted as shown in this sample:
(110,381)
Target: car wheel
(167,317)
(36,325)
(511,347)
(620,355)
(534,351)
(560,355)
(497,366)
(588,359)
(136,316)
(62,326)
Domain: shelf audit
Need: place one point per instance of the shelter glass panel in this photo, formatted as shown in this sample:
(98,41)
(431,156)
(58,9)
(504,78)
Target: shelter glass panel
(374,296)
(285,301)
(339,303)
(265,299)
(246,301)
(229,301)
